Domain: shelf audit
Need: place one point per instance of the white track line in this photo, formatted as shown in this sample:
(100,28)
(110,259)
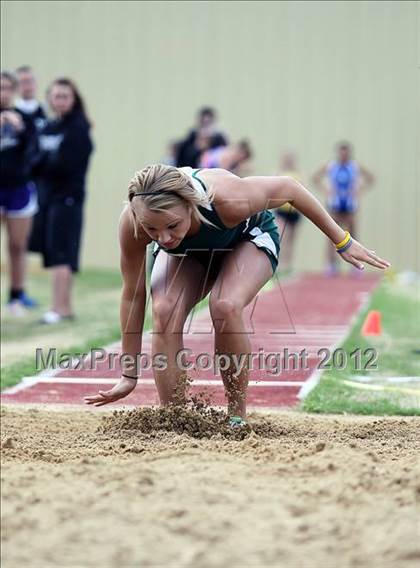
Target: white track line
(25,383)
(366,379)
(30,381)
(404,390)
(315,377)
(311,383)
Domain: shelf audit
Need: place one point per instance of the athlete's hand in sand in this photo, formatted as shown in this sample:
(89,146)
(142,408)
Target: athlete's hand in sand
(121,389)
(357,254)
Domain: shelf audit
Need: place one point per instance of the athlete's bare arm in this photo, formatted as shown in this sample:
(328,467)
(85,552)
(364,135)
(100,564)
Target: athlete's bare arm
(237,199)
(132,307)
(133,297)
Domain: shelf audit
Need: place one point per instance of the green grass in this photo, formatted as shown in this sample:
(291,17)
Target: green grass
(96,294)
(400,308)
(90,284)
(332,396)
(26,367)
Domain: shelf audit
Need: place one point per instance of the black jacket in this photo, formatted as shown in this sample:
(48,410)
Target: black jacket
(189,155)
(65,147)
(37,116)
(17,153)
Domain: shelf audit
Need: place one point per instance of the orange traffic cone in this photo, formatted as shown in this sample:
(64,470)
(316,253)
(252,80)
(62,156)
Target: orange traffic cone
(372,324)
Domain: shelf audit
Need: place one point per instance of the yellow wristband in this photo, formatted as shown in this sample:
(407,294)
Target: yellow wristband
(343,243)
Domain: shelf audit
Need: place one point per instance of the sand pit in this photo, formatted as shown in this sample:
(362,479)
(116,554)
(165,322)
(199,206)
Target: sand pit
(92,488)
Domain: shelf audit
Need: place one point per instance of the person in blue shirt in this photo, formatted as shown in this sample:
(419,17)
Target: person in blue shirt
(345,181)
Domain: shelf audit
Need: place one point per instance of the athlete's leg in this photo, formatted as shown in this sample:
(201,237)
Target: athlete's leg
(177,285)
(18,229)
(244,272)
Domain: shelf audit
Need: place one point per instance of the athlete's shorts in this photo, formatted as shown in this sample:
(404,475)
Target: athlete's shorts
(264,235)
(19,202)
(57,233)
(342,204)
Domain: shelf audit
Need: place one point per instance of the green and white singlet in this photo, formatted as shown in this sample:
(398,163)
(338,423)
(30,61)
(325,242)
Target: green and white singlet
(211,243)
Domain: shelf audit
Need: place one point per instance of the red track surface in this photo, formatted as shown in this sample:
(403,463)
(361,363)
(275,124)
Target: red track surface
(309,312)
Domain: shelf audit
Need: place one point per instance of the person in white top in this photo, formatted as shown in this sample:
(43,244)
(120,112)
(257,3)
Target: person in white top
(28,102)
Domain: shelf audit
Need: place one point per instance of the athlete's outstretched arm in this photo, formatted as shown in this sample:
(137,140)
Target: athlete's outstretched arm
(132,309)
(242,198)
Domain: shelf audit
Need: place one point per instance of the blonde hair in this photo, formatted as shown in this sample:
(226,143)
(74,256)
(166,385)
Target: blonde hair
(169,187)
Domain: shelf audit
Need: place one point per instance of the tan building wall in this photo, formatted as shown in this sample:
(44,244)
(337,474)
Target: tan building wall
(283,74)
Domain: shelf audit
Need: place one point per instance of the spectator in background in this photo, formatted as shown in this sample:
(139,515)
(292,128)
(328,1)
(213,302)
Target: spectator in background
(18,202)
(233,157)
(346,179)
(65,147)
(287,216)
(27,102)
(205,136)
(34,111)
(171,151)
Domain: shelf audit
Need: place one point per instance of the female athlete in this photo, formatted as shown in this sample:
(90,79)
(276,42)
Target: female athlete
(213,233)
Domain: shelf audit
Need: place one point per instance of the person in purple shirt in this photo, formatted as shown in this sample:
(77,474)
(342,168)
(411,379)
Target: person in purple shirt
(232,158)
